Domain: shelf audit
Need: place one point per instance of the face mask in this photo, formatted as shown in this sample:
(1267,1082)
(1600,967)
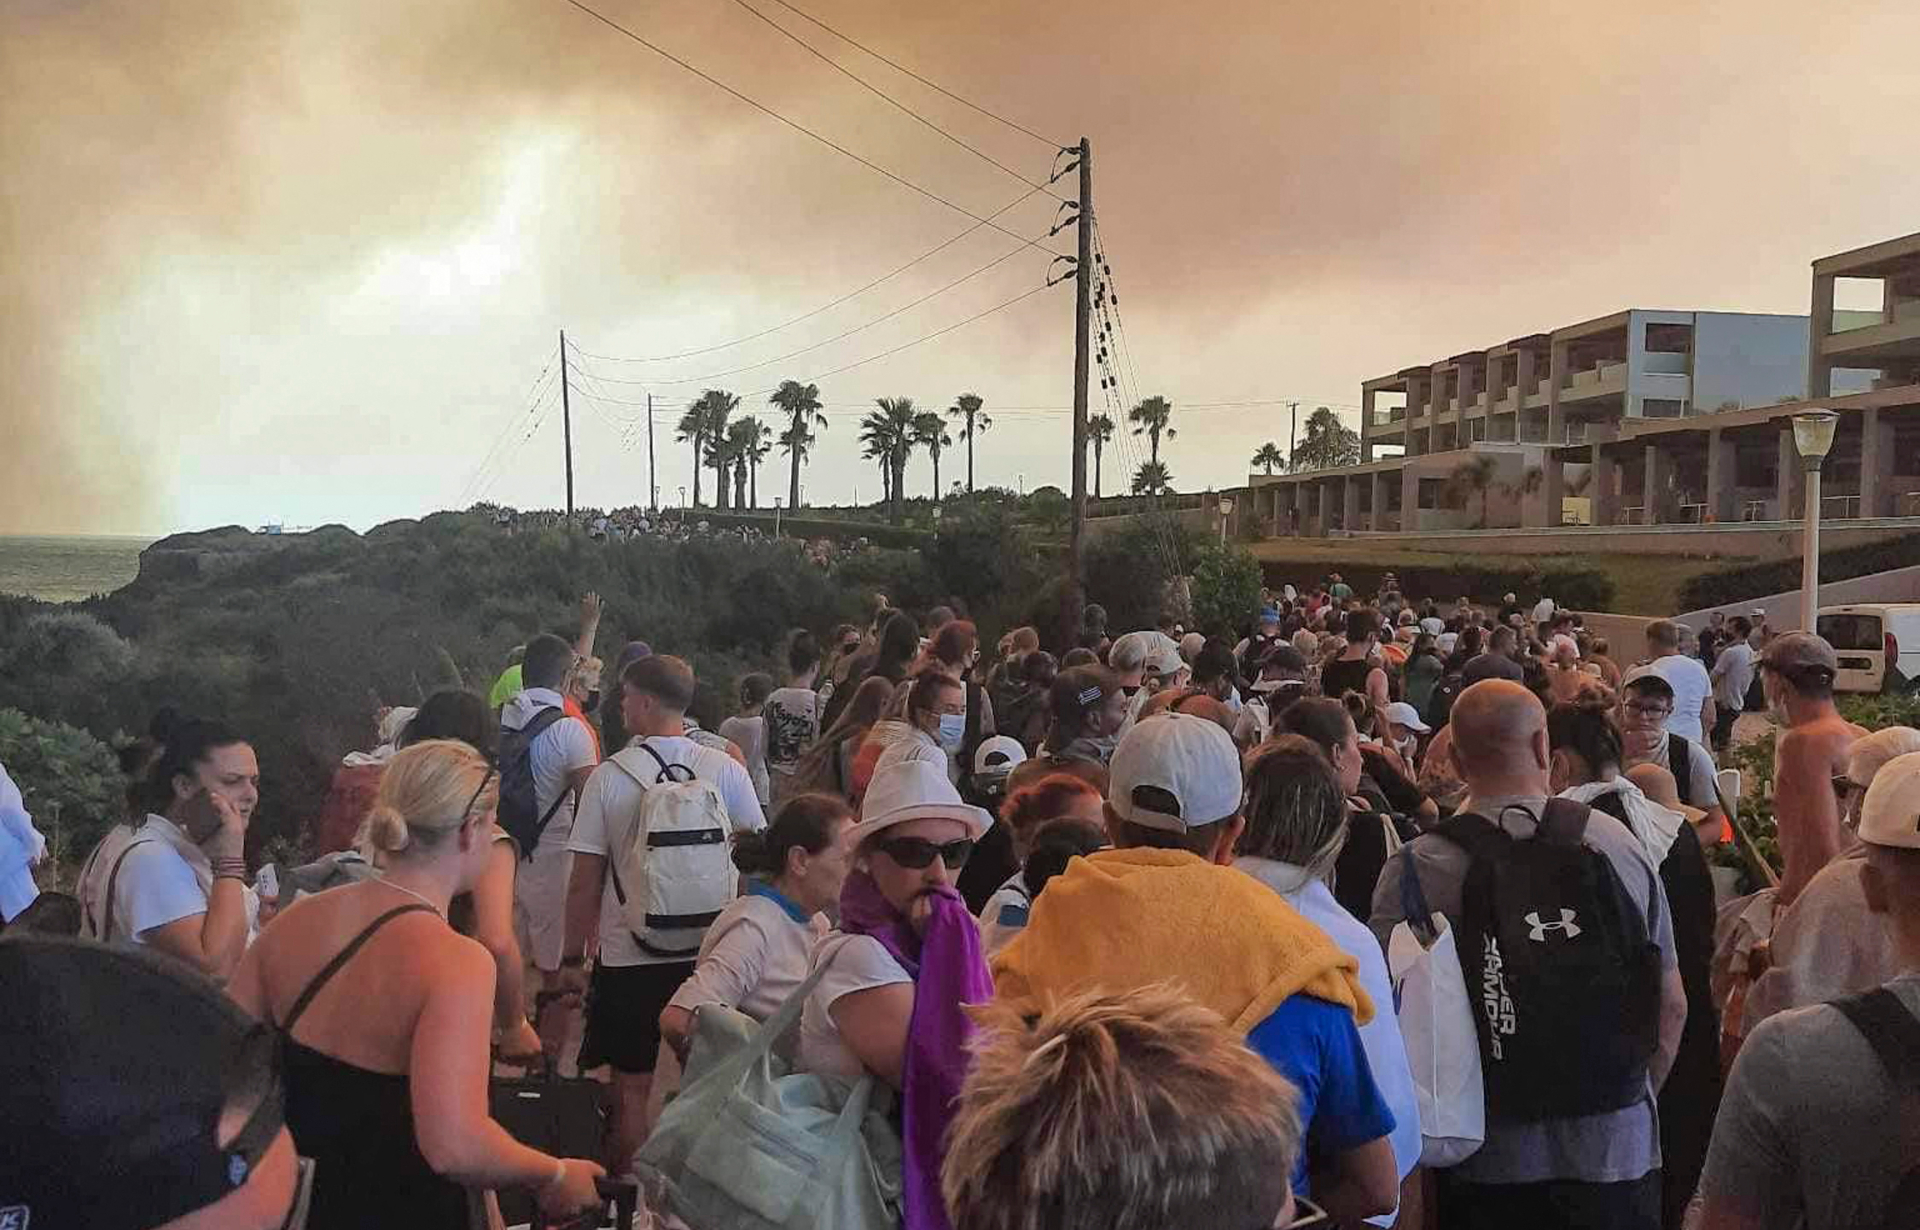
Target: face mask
(953,731)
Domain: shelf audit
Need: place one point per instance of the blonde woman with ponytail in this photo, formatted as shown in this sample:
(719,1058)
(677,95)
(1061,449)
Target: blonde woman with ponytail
(1297,824)
(385,1010)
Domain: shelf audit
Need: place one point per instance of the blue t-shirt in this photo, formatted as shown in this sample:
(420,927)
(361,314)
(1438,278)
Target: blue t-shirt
(1316,1045)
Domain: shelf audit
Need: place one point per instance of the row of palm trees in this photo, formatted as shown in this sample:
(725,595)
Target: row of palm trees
(734,448)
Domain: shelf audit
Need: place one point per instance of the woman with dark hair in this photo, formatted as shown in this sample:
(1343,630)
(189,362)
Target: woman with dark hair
(1586,756)
(1422,671)
(931,727)
(758,951)
(828,764)
(896,646)
(453,713)
(955,650)
(180,885)
(1297,822)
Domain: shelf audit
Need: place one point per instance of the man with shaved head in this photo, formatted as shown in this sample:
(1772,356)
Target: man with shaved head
(1540,1169)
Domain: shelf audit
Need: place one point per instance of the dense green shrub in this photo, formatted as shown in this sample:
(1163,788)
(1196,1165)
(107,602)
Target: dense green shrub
(1225,589)
(69,780)
(1746,581)
(1129,570)
(1582,589)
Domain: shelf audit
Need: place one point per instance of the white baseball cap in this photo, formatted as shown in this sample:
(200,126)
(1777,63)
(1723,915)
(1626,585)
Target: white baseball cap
(1890,816)
(1163,656)
(1406,715)
(996,756)
(1175,772)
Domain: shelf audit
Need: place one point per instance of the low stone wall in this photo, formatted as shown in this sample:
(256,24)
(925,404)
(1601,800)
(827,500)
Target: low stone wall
(1761,540)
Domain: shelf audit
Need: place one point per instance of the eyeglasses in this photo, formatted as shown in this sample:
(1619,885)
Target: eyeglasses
(915,853)
(1653,710)
(302,1195)
(1305,1213)
(468,809)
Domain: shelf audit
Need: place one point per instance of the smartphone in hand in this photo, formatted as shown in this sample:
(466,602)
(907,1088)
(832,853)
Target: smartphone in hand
(201,819)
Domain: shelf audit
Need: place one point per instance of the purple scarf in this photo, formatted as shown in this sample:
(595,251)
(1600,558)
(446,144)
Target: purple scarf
(948,971)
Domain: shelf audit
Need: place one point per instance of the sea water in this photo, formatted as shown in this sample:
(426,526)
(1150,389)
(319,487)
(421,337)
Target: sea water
(67,568)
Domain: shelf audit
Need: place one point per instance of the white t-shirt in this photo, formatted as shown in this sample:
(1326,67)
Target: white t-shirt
(540,885)
(1381,1038)
(749,734)
(164,878)
(1733,675)
(793,723)
(755,955)
(1691,688)
(1543,610)
(610,806)
(1433,624)
(854,963)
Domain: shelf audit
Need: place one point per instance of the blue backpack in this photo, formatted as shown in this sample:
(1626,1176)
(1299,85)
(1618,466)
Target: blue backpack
(519,795)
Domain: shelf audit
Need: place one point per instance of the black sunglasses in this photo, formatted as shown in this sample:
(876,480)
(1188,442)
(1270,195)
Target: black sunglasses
(914,853)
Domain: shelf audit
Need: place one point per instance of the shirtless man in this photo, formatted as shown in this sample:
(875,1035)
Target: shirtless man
(1797,670)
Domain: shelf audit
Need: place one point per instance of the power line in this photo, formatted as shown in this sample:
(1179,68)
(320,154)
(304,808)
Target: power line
(710,376)
(797,126)
(536,394)
(804,316)
(891,101)
(898,67)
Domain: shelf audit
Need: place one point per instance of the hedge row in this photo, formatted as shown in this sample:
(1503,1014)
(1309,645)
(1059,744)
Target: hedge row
(1585,589)
(1746,581)
(878,533)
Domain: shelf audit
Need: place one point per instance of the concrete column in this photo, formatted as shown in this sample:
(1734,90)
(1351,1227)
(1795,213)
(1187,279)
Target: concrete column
(1876,464)
(1553,489)
(1409,499)
(1323,508)
(1723,471)
(1788,480)
(1523,389)
(1656,488)
(1556,376)
(1350,503)
(1417,396)
(1377,518)
(1819,328)
(1366,424)
(1603,489)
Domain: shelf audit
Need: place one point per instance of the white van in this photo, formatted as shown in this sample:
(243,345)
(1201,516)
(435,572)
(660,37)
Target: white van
(1878,644)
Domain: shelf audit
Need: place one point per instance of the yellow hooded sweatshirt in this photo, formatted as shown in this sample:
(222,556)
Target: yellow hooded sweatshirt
(1130,918)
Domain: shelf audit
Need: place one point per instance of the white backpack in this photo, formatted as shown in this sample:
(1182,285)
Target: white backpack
(674,871)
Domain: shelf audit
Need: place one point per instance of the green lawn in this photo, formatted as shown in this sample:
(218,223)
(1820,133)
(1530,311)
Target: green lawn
(1643,584)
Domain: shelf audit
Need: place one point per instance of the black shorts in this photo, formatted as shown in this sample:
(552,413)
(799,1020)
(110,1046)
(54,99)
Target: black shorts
(624,1003)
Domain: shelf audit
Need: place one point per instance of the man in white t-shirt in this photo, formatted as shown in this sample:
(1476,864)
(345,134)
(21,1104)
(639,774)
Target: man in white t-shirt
(1543,610)
(792,716)
(1692,688)
(1732,676)
(561,756)
(631,986)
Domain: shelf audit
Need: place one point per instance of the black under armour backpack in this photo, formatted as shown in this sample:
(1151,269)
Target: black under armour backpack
(1893,1032)
(1560,967)
(519,794)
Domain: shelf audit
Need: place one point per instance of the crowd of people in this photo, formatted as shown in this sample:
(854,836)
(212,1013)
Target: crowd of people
(668,525)
(1106,934)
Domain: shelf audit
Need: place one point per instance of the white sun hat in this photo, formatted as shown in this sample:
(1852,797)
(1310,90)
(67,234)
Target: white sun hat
(915,790)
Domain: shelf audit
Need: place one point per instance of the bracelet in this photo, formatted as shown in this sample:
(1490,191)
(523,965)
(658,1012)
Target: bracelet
(230,868)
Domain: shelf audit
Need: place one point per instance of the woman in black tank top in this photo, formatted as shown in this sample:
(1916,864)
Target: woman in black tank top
(383,1014)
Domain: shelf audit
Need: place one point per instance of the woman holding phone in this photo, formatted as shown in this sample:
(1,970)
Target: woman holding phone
(180,885)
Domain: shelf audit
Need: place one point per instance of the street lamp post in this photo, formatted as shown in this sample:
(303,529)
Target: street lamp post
(1813,437)
(937,510)
(776,516)
(1226,512)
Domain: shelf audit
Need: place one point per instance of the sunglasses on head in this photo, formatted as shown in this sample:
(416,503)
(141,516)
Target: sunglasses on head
(914,853)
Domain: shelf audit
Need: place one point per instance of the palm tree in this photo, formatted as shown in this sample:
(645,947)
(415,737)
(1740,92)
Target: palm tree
(801,404)
(888,434)
(930,433)
(757,444)
(693,430)
(716,406)
(1152,478)
(1475,477)
(1269,457)
(1151,418)
(967,410)
(1099,434)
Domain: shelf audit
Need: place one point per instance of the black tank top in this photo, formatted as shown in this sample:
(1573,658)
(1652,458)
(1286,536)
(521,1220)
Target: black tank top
(1342,675)
(357,1127)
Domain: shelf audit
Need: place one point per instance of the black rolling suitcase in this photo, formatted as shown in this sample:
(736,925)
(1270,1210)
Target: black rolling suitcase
(566,1118)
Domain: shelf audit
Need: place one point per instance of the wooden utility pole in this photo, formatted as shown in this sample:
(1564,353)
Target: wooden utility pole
(1082,354)
(566,420)
(653,488)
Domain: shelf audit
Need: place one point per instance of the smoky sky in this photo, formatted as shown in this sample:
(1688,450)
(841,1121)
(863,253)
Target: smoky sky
(305,262)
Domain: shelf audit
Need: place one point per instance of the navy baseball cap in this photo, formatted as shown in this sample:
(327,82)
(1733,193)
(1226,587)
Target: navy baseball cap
(119,1070)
